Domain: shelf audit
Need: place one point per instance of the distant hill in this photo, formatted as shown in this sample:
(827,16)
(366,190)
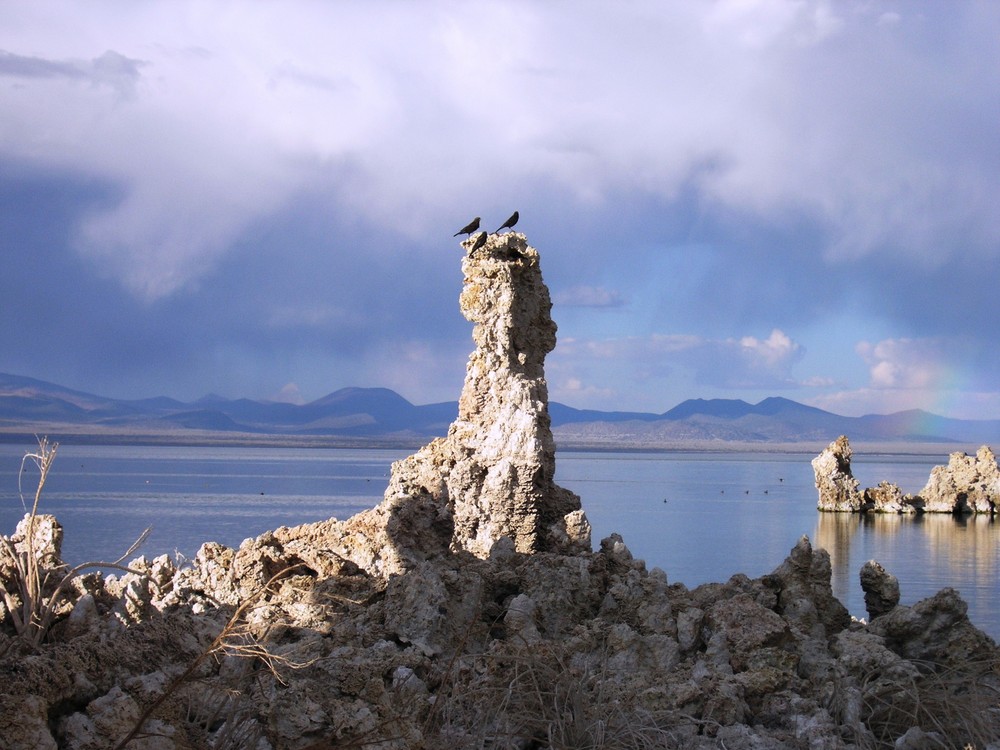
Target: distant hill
(775,420)
(30,406)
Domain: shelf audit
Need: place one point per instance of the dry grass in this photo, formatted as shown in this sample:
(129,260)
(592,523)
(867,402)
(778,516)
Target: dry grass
(961,705)
(532,696)
(223,719)
(38,588)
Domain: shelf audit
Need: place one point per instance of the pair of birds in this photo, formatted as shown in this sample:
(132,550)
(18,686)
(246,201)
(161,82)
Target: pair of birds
(473,225)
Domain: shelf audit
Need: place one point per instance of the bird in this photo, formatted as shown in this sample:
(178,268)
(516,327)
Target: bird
(469,228)
(480,241)
(509,224)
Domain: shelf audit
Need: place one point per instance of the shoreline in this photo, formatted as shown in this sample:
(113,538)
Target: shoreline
(73,435)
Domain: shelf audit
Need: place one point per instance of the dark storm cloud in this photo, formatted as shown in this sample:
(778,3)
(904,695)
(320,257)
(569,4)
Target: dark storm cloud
(273,199)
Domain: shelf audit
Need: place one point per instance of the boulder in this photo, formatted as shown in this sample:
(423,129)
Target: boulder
(936,630)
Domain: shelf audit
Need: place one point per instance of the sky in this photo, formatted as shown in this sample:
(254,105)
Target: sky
(731,198)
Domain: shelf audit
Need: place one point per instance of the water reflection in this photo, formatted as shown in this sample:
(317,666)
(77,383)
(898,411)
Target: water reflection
(699,516)
(926,553)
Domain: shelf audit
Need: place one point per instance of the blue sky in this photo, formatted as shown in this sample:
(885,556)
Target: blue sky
(732,199)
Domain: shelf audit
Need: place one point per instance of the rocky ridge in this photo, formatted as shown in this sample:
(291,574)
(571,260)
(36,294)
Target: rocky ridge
(468,610)
(967,484)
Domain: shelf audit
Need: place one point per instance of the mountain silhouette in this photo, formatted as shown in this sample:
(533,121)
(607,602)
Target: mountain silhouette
(30,406)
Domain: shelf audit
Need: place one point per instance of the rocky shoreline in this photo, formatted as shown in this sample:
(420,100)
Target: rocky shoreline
(468,610)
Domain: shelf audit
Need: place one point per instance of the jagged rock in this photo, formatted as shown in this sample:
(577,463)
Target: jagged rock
(889,498)
(494,471)
(46,546)
(804,592)
(968,484)
(108,717)
(27,726)
(881,589)
(936,629)
(838,489)
(916,738)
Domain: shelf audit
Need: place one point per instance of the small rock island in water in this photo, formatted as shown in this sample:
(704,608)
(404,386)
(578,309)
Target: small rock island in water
(968,484)
(468,610)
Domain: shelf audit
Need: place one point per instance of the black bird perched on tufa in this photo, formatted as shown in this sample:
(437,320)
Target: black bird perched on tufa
(480,241)
(469,228)
(509,224)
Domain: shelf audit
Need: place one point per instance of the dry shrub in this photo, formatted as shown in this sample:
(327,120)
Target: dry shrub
(961,704)
(237,639)
(36,586)
(533,695)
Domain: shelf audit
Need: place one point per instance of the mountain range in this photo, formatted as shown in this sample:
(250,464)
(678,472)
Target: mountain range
(373,415)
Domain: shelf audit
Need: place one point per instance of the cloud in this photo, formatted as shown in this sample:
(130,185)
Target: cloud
(111,69)
(575,391)
(935,374)
(805,106)
(908,363)
(289,394)
(746,363)
(954,403)
(270,196)
(589,296)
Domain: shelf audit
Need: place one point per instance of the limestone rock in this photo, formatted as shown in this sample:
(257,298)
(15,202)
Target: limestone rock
(495,469)
(838,489)
(968,484)
(881,589)
(46,536)
(804,592)
(936,629)
(887,497)
(491,477)
(46,546)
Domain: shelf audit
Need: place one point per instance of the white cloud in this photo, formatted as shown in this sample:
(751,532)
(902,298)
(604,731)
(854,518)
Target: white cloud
(289,394)
(400,112)
(776,350)
(908,363)
(574,392)
(589,296)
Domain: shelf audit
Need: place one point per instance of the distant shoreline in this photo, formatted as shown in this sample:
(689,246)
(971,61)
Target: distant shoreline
(73,435)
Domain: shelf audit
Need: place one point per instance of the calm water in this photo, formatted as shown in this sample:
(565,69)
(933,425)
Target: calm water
(698,516)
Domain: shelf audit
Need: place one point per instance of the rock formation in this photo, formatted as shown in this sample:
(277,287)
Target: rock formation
(495,468)
(492,476)
(467,610)
(968,484)
(881,589)
(887,497)
(838,489)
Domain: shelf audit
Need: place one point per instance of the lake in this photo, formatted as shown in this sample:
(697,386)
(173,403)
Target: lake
(699,516)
